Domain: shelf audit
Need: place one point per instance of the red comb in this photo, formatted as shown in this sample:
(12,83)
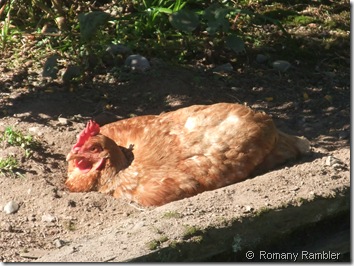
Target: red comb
(92,129)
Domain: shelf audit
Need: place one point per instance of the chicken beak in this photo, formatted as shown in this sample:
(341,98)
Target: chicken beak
(71,156)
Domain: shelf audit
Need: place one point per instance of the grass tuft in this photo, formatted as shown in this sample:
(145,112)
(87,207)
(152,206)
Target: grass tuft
(12,137)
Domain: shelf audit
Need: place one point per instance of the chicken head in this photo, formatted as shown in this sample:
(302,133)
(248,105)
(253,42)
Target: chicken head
(91,153)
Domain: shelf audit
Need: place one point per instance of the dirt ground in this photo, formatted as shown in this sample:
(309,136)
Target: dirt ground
(304,101)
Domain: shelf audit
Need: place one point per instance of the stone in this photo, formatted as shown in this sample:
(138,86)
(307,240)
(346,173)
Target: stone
(11,207)
(137,62)
(281,65)
(48,218)
(63,121)
(58,243)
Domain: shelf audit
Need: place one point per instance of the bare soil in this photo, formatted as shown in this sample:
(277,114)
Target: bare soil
(304,101)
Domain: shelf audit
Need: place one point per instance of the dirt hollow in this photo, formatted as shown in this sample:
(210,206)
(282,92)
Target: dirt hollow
(50,219)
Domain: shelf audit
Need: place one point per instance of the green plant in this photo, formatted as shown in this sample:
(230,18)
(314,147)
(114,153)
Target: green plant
(171,214)
(190,231)
(8,165)
(16,138)
(174,244)
(262,211)
(154,244)
(5,31)
(180,28)
(69,225)
(6,34)
(197,239)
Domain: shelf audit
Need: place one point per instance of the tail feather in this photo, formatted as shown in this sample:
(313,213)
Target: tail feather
(287,148)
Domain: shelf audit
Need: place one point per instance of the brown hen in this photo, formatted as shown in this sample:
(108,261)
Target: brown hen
(153,160)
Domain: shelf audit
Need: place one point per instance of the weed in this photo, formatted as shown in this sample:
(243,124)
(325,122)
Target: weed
(6,34)
(154,244)
(262,210)
(284,205)
(197,239)
(171,214)
(12,137)
(303,20)
(177,30)
(163,239)
(300,201)
(69,225)
(8,165)
(168,26)
(16,138)
(190,231)
(174,244)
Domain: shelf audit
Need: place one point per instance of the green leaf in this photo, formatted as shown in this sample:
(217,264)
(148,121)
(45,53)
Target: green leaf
(178,5)
(163,10)
(90,22)
(235,43)
(184,20)
(216,17)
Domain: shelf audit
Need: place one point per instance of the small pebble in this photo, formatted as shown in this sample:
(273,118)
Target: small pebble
(63,121)
(248,208)
(48,218)
(58,243)
(330,161)
(35,131)
(236,89)
(11,207)
(281,65)
(338,166)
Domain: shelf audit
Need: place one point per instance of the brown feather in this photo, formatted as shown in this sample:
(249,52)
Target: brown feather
(154,160)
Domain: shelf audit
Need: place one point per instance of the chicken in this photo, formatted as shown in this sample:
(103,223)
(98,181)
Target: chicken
(156,159)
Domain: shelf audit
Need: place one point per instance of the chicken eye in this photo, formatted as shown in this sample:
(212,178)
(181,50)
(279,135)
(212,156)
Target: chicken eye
(95,149)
